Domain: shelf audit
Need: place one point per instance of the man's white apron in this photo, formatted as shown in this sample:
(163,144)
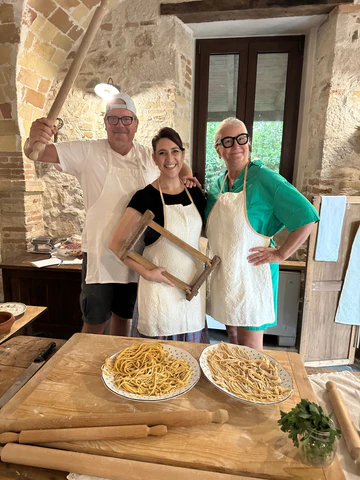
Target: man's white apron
(240,293)
(102,219)
(164,310)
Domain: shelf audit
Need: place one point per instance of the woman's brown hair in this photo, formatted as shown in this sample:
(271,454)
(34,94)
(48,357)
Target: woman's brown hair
(169,133)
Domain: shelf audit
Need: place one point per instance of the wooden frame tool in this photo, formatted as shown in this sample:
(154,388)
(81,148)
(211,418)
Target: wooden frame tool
(147,221)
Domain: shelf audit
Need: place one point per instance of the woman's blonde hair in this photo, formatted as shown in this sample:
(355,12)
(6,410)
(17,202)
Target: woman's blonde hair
(227,121)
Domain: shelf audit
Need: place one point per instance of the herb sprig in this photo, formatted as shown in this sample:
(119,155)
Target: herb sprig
(303,418)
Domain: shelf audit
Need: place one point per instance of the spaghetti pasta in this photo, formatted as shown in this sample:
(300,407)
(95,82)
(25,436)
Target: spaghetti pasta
(147,369)
(253,380)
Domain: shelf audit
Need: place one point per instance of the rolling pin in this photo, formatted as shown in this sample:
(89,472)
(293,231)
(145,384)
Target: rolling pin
(73,71)
(99,466)
(79,434)
(184,418)
(347,426)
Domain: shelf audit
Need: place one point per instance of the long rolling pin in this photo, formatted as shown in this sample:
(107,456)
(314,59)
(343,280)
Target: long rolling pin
(73,71)
(99,466)
(185,418)
(79,434)
(347,426)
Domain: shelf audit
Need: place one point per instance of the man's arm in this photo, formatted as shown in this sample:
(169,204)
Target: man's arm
(42,131)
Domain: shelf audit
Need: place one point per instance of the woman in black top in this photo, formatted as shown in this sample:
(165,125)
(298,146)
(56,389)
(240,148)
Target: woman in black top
(163,311)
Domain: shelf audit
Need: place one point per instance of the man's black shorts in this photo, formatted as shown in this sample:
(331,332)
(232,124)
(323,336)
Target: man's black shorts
(99,300)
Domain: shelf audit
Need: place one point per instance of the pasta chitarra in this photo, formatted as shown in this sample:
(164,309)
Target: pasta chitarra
(252,380)
(147,369)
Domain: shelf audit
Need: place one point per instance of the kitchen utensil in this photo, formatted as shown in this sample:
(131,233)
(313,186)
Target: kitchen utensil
(175,352)
(347,426)
(7,320)
(16,308)
(147,221)
(285,377)
(27,374)
(184,418)
(73,71)
(105,467)
(44,244)
(81,434)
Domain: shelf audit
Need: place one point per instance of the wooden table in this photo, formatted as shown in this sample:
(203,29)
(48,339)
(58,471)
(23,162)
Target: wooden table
(30,315)
(250,445)
(15,356)
(56,287)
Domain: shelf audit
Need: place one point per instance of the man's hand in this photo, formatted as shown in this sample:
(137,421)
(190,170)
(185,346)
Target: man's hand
(264,255)
(156,276)
(41,131)
(191,182)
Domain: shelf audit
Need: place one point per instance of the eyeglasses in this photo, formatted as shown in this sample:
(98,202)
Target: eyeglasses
(114,120)
(228,142)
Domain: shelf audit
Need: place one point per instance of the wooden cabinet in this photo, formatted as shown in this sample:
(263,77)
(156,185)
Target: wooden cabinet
(57,288)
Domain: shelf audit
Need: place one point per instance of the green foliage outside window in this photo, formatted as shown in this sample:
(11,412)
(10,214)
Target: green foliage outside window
(266,146)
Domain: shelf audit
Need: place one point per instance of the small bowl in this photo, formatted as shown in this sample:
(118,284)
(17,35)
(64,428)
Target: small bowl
(6,322)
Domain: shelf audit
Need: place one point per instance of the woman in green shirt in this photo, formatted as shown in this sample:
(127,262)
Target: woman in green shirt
(246,207)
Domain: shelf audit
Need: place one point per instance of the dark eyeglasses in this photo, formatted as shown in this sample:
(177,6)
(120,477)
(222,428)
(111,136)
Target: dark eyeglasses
(228,142)
(114,120)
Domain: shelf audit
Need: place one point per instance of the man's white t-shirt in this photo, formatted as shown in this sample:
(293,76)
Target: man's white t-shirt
(88,162)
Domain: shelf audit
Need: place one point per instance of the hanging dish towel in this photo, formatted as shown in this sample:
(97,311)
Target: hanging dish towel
(348,310)
(330,227)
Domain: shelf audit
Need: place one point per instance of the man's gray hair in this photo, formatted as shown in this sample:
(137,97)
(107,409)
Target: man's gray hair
(227,121)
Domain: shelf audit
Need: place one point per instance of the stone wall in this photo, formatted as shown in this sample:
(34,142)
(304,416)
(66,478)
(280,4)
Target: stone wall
(333,163)
(149,57)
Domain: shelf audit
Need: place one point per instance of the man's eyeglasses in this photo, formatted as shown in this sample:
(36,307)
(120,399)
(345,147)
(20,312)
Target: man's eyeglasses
(228,142)
(114,120)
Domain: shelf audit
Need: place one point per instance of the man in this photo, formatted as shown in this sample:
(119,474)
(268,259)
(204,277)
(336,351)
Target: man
(109,171)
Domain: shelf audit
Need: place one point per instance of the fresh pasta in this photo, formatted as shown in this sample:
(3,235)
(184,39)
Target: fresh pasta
(148,369)
(253,380)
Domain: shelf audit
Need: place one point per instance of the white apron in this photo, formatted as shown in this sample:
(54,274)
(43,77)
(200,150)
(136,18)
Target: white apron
(102,219)
(240,293)
(164,310)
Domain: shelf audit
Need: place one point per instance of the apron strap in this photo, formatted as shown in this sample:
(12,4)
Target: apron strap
(109,155)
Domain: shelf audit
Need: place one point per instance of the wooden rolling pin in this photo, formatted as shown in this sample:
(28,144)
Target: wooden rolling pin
(73,70)
(347,426)
(105,467)
(79,434)
(185,418)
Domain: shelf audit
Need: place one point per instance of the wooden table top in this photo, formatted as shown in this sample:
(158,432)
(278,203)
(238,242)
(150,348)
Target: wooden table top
(27,318)
(24,260)
(250,445)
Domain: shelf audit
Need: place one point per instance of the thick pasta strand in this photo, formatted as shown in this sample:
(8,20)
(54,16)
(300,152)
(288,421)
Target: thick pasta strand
(253,380)
(147,369)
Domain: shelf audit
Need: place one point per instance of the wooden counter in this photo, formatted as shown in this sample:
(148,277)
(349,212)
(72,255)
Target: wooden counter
(251,444)
(57,288)
(23,322)
(15,356)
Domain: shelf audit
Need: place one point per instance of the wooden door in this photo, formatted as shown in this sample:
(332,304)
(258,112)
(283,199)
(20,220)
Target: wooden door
(322,341)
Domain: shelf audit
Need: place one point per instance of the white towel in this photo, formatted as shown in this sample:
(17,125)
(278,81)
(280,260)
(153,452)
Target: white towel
(348,310)
(330,227)
(349,386)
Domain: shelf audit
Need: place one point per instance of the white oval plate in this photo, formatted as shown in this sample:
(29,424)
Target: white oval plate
(285,377)
(16,308)
(175,352)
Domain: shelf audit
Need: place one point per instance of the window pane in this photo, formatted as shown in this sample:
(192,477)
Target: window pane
(222,99)
(269,108)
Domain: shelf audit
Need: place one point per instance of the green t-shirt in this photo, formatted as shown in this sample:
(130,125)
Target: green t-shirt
(271,201)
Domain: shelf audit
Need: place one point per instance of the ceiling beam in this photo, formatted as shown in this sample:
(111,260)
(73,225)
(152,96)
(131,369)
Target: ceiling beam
(220,10)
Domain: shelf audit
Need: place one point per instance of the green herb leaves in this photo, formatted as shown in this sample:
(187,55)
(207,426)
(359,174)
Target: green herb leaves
(304,418)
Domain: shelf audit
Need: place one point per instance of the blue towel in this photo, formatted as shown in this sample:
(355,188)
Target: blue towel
(330,227)
(348,310)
